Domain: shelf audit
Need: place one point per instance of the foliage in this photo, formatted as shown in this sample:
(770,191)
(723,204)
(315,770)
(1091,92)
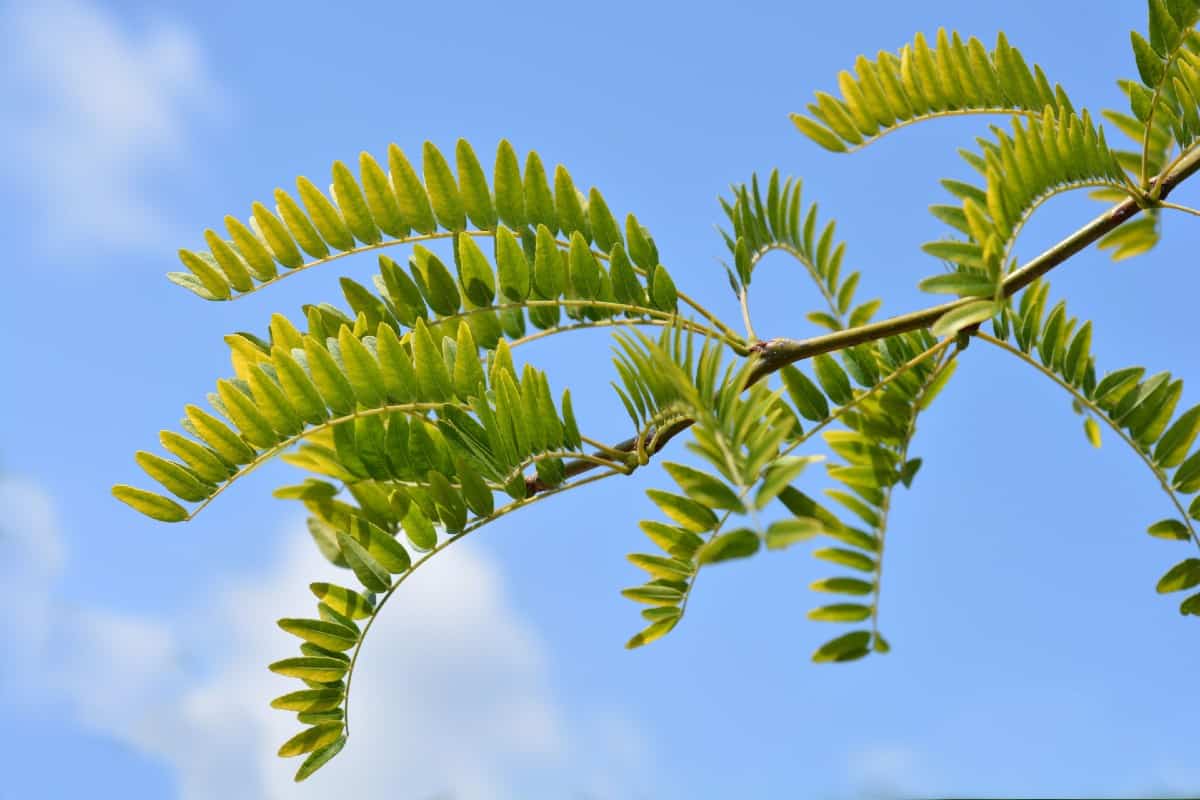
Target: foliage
(407,412)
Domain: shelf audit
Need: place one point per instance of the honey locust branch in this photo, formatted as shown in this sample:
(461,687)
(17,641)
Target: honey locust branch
(773,355)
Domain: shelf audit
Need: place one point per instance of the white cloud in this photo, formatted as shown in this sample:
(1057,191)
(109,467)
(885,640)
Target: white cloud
(451,698)
(451,692)
(91,112)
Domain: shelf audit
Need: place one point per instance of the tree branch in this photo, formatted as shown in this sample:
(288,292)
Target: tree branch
(774,354)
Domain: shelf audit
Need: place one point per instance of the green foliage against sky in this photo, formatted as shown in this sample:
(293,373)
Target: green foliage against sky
(415,427)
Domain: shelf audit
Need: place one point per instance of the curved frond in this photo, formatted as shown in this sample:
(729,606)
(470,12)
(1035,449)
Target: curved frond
(1043,157)
(363,536)
(412,411)
(381,208)
(1139,410)
(921,82)
(779,222)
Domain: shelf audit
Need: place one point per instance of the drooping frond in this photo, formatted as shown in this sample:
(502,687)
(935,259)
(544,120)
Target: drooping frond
(363,536)
(780,222)
(1043,157)
(1140,410)
(739,432)
(921,82)
(874,451)
(746,441)
(379,408)
(899,377)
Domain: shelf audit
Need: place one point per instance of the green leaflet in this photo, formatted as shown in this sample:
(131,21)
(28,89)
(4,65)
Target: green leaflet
(840,612)
(252,249)
(1173,447)
(235,269)
(605,230)
(833,379)
(437,285)
(963,284)
(654,595)
(583,271)
(319,758)
(410,194)
(476,197)
(548,272)
(327,376)
(419,529)
(433,379)
(568,208)
(379,197)
(660,567)
(1184,575)
(369,572)
(345,601)
(311,668)
(678,542)
(276,235)
(152,505)
(704,488)
(848,647)
(475,274)
(323,634)
(362,370)
(324,215)
(272,403)
(850,586)
(510,200)
(663,291)
(311,739)
(784,533)
(779,475)
(353,205)
(217,435)
(175,478)
(1170,529)
(381,546)
(443,189)
(963,316)
(298,387)
(688,513)
(512,266)
(309,700)
(740,543)
(539,201)
(808,399)
(203,462)
(847,558)
(653,632)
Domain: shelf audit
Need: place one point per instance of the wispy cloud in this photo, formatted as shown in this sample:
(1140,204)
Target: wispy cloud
(452,698)
(91,110)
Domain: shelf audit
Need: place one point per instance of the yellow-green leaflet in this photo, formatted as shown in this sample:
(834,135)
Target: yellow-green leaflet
(152,505)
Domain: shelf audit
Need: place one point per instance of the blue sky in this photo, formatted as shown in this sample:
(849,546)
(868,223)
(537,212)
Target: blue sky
(1030,653)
